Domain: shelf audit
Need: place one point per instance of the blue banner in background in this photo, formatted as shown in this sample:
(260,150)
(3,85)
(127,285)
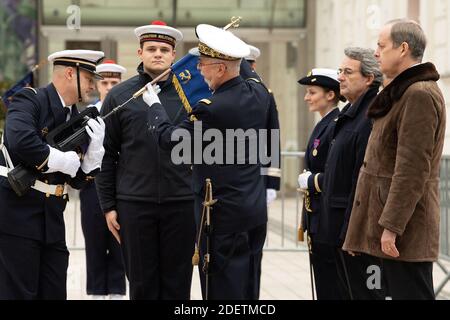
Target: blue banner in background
(189,82)
(26,81)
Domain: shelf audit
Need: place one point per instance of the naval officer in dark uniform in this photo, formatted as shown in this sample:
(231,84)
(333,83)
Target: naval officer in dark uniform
(105,273)
(33,253)
(148,200)
(322,96)
(239,217)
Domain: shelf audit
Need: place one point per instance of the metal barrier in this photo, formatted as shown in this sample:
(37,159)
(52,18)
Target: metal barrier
(445,222)
(284,215)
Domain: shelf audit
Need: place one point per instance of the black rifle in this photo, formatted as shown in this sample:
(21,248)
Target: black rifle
(69,136)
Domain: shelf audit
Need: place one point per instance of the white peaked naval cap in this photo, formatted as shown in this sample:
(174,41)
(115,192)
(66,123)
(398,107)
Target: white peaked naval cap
(220,44)
(254,53)
(84,59)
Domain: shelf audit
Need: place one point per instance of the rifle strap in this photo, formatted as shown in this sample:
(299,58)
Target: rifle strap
(8,162)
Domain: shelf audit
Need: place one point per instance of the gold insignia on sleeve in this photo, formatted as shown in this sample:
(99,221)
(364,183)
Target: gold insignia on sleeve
(316,183)
(274,172)
(206,101)
(254,79)
(32,89)
(42,165)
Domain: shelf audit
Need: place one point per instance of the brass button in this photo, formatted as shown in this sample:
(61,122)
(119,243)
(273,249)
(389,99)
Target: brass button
(47,195)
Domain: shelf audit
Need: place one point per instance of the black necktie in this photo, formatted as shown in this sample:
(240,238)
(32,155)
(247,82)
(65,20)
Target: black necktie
(67,113)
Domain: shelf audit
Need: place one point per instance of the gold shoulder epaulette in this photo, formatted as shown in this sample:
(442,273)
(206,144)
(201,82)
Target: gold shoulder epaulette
(32,89)
(206,101)
(254,79)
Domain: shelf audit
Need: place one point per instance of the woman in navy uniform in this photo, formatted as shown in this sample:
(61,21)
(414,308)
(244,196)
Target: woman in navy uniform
(105,274)
(33,252)
(322,96)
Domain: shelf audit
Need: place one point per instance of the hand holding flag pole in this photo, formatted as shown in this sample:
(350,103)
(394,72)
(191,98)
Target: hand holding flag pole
(189,93)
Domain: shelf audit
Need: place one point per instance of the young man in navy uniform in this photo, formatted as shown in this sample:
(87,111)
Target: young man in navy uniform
(147,200)
(33,252)
(105,273)
(239,217)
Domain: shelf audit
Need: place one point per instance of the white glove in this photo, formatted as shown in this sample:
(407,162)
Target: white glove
(65,162)
(303,179)
(95,152)
(150,96)
(271,195)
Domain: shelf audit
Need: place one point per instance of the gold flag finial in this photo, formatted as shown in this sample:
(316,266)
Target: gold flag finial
(235,21)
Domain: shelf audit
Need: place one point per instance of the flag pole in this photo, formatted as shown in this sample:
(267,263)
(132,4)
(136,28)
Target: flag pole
(137,94)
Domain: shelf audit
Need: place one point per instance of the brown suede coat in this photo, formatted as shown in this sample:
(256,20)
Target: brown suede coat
(398,185)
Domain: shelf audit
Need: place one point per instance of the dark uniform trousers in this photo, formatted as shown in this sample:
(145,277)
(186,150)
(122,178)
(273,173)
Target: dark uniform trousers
(323,260)
(104,264)
(322,254)
(235,265)
(33,254)
(157,246)
(409,280)
(31,269)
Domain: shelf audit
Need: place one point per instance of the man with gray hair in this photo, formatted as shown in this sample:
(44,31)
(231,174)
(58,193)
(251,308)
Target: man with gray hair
(396,210)
(360,79)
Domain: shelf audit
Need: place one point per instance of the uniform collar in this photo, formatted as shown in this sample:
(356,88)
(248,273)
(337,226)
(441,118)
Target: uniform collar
(230,83)
(147,78)
(56,104)
(330,114)
(68,113)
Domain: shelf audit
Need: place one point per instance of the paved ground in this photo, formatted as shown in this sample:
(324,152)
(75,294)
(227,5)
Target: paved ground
(285,274)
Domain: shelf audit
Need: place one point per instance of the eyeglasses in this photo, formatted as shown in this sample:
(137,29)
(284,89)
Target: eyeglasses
(347,72)
(201,65)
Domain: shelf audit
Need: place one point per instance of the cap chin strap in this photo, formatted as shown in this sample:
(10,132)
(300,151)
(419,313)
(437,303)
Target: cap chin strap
(78,83)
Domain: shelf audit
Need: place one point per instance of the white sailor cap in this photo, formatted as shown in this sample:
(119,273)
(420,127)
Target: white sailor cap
(109,69)
(84,59)
(220,44)
(254,53)
(158,31)
(321,77)
(325,78)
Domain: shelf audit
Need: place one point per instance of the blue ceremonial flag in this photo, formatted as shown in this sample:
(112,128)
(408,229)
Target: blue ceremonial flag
(189,82)
(26,81)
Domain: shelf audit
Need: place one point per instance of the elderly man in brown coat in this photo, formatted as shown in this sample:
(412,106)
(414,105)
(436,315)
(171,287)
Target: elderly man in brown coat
(395,214)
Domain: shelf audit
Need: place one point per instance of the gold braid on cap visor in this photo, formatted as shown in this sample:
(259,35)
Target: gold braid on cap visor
(210,52)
